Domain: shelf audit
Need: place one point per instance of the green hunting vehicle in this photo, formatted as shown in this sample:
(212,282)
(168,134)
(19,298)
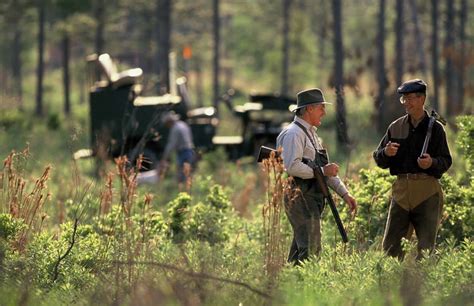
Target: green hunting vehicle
(124,122)
(262,119)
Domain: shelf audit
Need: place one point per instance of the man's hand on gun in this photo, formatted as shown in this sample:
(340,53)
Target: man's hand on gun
(425,161)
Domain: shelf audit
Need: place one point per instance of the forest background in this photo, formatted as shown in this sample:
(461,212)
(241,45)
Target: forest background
(71,237)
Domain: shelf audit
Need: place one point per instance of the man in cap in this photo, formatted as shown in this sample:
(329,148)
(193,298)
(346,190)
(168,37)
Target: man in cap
(417,197)
(180,139)
(300,142)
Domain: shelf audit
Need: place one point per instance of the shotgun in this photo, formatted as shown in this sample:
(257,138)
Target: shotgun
(433,117)
(265,153)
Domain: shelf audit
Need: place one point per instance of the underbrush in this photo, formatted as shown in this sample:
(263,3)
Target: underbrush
(68,239)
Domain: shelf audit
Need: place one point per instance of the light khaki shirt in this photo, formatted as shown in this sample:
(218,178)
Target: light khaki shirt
(296,145)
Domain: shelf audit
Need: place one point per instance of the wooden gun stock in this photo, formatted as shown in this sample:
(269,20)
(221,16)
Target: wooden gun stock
(265,153)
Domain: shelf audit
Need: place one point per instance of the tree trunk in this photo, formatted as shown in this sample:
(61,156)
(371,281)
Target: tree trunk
(341,125)
(216,57)
(448,52)
(40,67)
(100,19)
(392,109)
(16,66)
(83,75)
(146,57)
(399,30)
(164,45)
(418,38)
(434,54)
(462,56)
(99,41)
(66,81)
(199,81)
(381,75)
(321,43)
(285,47)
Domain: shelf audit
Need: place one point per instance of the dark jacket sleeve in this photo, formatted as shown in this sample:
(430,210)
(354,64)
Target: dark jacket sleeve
(441,156)
(382,160)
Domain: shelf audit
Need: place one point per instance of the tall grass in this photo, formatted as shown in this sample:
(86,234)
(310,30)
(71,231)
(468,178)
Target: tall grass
(280,188)
(19,201)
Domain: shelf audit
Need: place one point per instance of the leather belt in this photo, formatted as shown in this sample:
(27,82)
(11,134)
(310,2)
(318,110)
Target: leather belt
(413,176)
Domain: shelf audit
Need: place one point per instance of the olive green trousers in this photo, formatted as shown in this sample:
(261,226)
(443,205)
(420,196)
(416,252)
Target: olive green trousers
(304,213)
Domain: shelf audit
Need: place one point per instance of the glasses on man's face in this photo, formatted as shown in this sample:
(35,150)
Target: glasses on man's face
(406,99)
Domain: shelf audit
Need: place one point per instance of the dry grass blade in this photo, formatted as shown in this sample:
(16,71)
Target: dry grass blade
(279,187)
(128,193)
(128,182)
(107,195)
(20,203)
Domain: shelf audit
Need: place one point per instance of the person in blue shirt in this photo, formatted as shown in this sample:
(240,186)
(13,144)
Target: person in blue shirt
(180,140)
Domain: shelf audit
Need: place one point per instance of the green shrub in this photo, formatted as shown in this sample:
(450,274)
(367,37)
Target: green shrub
(9,226)
(40,263)
(177,213)
(217,198)
(205,223)
(372,191)
(109,223)
(10,119)
(53,122)
(458,215)
(465,139)
(151,224)
(87,254)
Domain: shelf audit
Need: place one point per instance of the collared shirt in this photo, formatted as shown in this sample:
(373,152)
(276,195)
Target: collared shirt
(411,139)
(296,146)
(179,138)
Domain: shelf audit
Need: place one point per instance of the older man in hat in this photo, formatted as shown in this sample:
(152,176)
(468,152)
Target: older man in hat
(300,142)
(180,140)
(417,197)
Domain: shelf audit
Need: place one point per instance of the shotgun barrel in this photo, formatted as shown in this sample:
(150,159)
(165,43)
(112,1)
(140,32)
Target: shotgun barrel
(428,133)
